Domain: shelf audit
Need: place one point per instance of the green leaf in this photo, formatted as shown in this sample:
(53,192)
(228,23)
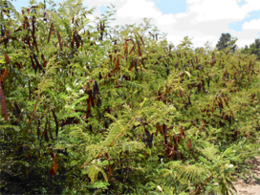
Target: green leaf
(204,160)
(98,185)
(78,101)
(227,152)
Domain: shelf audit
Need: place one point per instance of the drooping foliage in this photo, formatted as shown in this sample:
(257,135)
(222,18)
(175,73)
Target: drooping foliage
(96,110)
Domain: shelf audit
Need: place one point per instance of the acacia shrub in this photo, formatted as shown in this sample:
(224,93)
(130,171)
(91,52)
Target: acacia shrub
(87,112)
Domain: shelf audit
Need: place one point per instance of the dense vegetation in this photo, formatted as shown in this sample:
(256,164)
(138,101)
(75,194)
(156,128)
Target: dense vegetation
(254,48)
(96,110)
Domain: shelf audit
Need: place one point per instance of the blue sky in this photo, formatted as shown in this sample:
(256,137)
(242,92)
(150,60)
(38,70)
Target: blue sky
(202,20)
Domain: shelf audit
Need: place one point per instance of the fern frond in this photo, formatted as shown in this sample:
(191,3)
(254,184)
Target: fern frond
(93,149)
(193,173)
(114,130)
(210,152)
(16,128)
(130,146)
(93,170)
(44,85)
(78,133)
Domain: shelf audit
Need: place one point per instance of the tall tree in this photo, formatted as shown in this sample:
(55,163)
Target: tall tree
(255,48)
(226,41)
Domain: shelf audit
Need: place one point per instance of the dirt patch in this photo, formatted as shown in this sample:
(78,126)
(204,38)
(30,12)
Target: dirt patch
(250,186)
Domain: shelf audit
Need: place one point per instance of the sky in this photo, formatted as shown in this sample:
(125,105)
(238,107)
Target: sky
(201,20)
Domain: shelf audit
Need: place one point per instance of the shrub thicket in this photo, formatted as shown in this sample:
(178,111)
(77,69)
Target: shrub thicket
(117,111)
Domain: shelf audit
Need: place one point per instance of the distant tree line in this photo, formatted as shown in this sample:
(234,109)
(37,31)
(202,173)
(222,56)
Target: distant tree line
(226,41)
(254,48)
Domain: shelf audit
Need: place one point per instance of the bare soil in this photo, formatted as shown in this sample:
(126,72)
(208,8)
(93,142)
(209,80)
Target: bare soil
(250,186)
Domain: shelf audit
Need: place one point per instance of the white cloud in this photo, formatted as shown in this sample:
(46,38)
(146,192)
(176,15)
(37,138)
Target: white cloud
(139,9)
(204,20)
(243,42)
(220,9)
(166,19)
(215,10)
(252,25)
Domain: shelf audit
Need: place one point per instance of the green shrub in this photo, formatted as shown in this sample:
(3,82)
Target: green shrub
(84,112)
